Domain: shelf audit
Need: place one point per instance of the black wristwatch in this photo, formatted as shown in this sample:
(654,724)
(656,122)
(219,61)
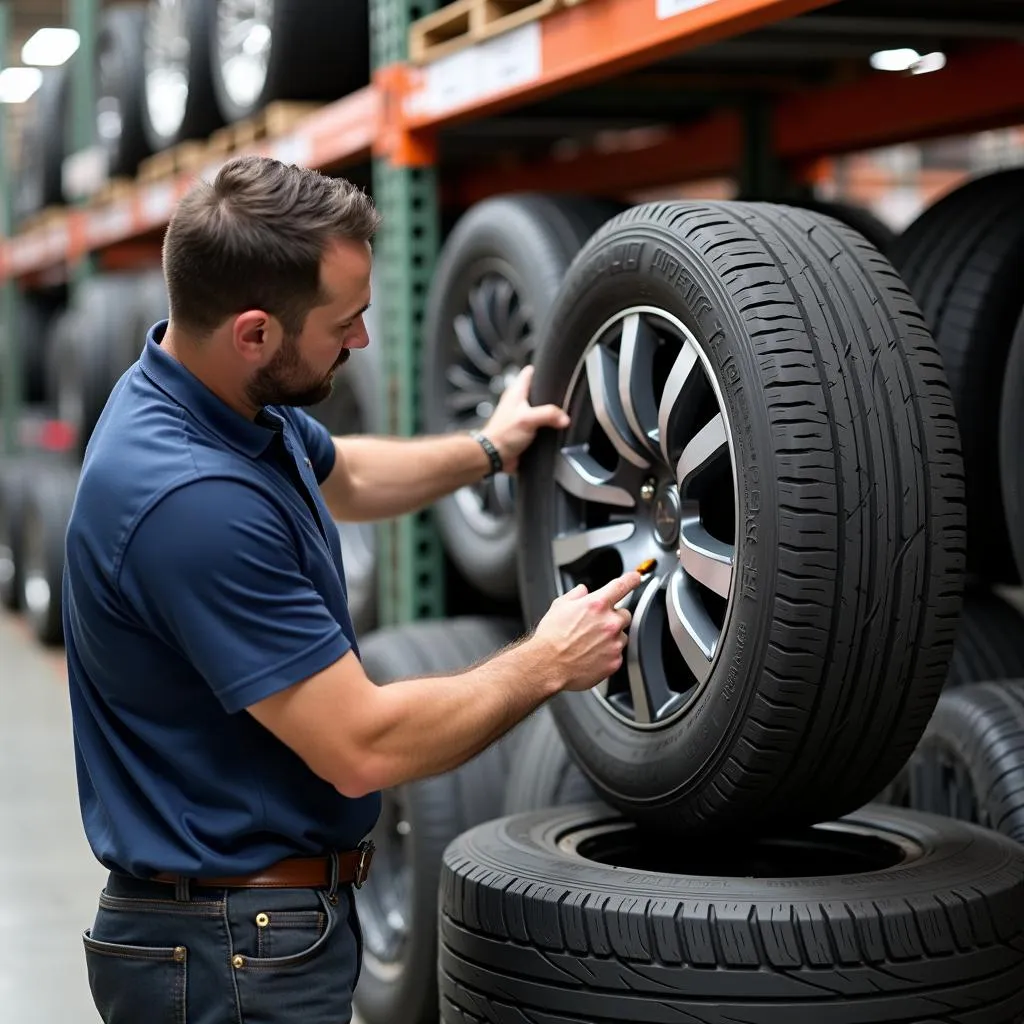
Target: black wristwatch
(492,453)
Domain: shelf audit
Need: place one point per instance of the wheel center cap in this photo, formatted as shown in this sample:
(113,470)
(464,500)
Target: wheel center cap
(665,515)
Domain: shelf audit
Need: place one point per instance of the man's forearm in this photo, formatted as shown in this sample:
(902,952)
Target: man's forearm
(427,726)
(386,477)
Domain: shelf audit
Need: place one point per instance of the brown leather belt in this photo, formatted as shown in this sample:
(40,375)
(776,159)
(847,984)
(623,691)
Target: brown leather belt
(294,873)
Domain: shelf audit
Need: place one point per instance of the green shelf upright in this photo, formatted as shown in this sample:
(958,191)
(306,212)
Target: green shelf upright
(10,365)
(412,565)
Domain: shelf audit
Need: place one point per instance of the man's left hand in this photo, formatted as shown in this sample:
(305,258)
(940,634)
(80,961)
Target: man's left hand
(514,423)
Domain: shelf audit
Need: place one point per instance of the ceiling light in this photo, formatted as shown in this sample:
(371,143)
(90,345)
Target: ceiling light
(50,46)
(895,60)
(929,62)
(18,84)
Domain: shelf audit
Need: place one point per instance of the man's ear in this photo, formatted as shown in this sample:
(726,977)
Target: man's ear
(255,335)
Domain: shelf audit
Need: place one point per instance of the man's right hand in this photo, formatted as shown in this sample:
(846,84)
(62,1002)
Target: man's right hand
(585,633)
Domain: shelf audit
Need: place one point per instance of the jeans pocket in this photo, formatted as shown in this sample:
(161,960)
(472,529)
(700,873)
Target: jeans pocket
(130,984)
(287,933)
(312,984)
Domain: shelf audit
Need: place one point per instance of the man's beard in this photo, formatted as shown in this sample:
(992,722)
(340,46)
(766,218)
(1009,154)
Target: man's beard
(286,380)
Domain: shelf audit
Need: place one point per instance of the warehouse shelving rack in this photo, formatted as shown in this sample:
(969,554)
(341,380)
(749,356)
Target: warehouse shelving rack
(597,56)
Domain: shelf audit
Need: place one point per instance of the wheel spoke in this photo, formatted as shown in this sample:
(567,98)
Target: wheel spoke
(705,558)
(471,348)
(695,634)
(601,373)
(504,294)
(644,665)
(479,304)
(581,476)
(682,372)
(570,548)
(636,380)
(709,444)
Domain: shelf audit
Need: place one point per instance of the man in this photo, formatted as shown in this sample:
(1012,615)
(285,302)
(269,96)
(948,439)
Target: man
(230,748)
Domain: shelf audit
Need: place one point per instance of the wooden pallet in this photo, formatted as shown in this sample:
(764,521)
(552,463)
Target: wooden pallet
(274,120)
(186,156)
(464,22)
(43,218)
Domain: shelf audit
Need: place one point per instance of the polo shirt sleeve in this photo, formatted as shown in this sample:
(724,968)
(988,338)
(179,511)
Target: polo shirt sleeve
(214,570)
(317,440)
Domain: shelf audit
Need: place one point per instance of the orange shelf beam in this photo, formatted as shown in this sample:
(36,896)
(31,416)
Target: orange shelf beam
(339,133)
(593,40)
(976,90)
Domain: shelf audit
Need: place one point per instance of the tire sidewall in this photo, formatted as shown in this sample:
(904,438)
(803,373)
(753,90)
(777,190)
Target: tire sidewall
(634,264)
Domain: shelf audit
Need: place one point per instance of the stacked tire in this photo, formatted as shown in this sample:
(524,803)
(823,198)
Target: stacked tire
(758,405)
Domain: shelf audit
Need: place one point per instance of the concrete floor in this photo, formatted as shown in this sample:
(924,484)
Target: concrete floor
(49,879)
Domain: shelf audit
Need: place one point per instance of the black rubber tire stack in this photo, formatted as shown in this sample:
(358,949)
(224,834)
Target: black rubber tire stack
(888,916)
(525,242)
(39,181)
(13,472)
(399,983)
(961,260)
(1011,445)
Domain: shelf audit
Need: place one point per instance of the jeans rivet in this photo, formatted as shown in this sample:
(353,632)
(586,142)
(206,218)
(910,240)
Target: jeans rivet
(262,920)
(238,961)
(179,953)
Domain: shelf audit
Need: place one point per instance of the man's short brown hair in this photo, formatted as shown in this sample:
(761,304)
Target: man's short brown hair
(254,239)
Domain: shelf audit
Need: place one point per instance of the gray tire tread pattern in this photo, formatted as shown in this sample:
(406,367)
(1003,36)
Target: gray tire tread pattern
(989,640)
(867,461)
(982,727)
(1011,445)
(529,943)
(961,261)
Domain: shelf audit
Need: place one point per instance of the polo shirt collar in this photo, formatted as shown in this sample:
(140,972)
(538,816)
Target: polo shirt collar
(246,436)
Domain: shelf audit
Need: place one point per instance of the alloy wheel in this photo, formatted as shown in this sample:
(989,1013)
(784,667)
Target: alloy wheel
(243,47)
(167,57)
(491,341)
(646,472)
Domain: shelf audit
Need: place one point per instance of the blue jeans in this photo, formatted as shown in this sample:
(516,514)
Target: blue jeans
(222,956)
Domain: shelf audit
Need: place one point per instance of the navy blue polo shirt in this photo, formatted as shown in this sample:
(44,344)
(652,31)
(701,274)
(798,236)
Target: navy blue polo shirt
(203,574)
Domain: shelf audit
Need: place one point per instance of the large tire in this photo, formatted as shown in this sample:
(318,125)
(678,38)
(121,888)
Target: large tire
(120,88)
(970,763)
(13,474)
(178,101)
(543,774)
(306,59)
(496,278)
(399,976)
(821,506)
(91,344)
(1011,445)
(961,260)
(49,496)
(356,406)
(44,146)
(885,918)
(33,319)
(989,640)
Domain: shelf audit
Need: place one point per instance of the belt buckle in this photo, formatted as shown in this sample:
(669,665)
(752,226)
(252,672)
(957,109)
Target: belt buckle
(366,849)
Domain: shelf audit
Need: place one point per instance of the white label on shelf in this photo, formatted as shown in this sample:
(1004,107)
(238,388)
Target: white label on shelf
(670,8)
(471,75)
(292,149)
(158,202)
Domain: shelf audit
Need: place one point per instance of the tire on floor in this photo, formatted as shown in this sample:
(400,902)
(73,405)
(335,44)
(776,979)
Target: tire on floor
(887,916)
(398,904)
(961,260)
(13,474)
(989,640)
(970,763)
(496,277)
(756,405)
